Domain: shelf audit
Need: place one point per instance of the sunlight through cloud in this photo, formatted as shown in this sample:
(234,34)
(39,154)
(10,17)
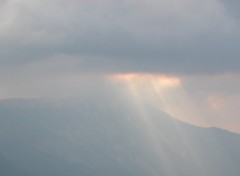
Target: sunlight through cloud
(163,92)
(166,94)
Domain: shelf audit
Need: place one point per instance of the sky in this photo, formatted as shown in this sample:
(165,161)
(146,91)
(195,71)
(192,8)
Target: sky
(184,48)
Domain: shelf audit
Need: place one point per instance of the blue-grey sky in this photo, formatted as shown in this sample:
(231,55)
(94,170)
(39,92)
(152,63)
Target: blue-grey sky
(64,48)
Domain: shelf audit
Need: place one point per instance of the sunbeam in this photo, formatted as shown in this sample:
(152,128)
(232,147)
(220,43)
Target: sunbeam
(166,94)
(163,92)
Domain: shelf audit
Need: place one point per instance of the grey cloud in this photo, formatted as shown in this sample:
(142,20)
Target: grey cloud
(123,36)
(232,6)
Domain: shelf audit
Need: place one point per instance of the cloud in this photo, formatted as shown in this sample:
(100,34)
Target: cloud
(60,48)
(167,36)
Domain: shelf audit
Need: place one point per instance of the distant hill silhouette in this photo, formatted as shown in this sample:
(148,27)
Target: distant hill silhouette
(99,138)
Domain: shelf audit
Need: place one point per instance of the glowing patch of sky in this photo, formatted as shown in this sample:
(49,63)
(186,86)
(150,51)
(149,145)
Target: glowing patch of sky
(163,92)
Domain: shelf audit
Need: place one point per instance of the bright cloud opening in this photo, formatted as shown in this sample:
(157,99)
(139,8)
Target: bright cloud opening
(163,92)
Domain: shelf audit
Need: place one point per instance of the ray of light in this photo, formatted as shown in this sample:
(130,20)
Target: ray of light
(166,94)
(149,127)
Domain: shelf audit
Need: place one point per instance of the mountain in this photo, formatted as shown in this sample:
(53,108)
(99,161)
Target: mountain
(99,137)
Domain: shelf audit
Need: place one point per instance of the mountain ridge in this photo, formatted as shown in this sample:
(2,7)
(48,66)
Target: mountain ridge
(101,138)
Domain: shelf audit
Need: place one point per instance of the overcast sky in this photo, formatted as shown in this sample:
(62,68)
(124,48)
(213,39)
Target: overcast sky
(58,47)
(169,36)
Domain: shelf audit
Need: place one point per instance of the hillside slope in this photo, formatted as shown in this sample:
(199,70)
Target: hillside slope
(98,139)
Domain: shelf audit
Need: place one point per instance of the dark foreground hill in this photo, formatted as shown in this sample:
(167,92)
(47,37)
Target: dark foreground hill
(82,138)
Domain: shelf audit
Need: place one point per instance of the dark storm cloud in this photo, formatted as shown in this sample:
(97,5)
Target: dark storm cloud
(177,37)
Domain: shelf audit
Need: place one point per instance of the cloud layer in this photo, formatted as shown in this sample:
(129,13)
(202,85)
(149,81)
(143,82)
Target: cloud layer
(166,36)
